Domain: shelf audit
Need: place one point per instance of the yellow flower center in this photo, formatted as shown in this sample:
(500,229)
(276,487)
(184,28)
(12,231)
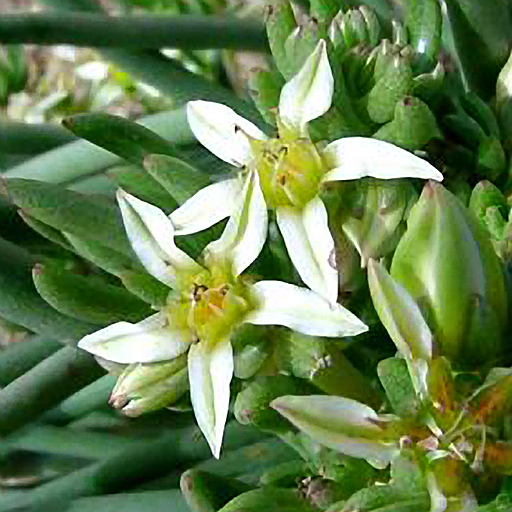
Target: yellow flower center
(210,304)
(289,170)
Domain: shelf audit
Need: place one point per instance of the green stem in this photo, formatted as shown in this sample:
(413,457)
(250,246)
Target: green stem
(69,442)
(88,399)
(142,31)
(45,386)
(132,466)
(29,139)
(19,358)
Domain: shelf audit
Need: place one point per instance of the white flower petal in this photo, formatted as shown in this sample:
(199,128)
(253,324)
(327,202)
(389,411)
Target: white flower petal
(308,94)
(404,321)
(208,206)
(246,230)
(351,158)
(222,131)
(339,423)
(210,372)
(151,340)
(151,236)
(302,310)
(310,246)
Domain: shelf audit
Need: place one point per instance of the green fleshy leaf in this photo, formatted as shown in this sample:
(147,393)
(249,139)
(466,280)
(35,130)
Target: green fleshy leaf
(136,181)
(179,179)
(90,217)
(87,299)
(208,492)
(124,138)
(261,500)
(265,88)
(146,287)
(280,24)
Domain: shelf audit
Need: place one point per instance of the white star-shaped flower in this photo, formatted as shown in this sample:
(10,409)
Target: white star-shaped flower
(206,302)
(286,173)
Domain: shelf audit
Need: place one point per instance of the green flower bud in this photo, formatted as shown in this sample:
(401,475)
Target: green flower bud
(428,86)
(252,404)
(375,224)
(486,195)
(491,158)
(301,43)
(412,126)
(321,360)
(205,491)
(448,265)
(394,84)
(357,26)
(147,387)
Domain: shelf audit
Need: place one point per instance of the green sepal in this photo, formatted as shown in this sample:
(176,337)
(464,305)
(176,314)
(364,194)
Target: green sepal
(136,181)
(280,24)
(180,179)
(252,403)
(268,498)
(124,138)
(90,217)
(87,299)
(146,287)
(396,381)
(208,492)
(412,127)
(265,88)
(424,22)
(394,85)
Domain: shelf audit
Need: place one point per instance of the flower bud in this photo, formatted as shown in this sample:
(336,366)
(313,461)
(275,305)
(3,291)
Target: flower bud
(486,195)
(147,387)
(394,84)
(343,425)
(357,26)
(375,225)
(412,127)
(448,265)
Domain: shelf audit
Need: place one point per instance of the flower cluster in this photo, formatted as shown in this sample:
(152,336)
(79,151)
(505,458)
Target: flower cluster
(210,298)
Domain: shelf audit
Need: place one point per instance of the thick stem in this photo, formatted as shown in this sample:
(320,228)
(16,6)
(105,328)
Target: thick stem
(97,30)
